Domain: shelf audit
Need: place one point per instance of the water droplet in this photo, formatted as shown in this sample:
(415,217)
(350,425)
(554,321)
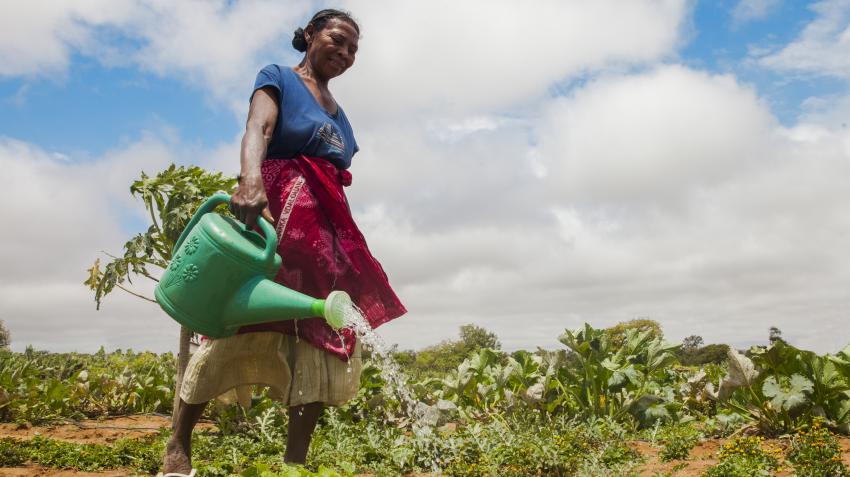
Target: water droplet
(348,370)
(300,412)
(300,393)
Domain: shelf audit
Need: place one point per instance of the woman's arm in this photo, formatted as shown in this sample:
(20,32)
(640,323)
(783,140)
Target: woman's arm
(250,199)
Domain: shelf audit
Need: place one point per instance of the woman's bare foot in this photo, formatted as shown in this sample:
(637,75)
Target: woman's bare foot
(178,451)
(177,458)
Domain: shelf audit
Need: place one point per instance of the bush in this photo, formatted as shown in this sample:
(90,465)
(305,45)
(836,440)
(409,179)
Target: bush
(617,333)
(444,357)
(708,354)
(816,452)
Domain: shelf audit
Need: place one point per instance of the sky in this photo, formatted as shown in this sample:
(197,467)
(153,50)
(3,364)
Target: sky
(525,167)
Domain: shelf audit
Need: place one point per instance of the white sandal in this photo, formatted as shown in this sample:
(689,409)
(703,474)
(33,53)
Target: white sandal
(176,474)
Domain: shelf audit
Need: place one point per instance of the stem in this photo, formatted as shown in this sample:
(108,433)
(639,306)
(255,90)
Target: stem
(182,362)
(149,276)
(153,218)
(163,251)
(150,262)
(134,293)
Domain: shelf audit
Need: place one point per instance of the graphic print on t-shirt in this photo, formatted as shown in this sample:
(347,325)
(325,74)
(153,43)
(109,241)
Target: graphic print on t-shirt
(328,134)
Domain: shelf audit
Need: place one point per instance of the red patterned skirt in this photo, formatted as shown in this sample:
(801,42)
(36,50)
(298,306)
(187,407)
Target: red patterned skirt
(322,250)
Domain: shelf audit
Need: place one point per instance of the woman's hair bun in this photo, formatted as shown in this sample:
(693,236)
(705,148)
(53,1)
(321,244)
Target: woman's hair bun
(299,41)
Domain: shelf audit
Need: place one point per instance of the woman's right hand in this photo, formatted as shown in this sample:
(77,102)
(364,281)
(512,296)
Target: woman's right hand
(250,201)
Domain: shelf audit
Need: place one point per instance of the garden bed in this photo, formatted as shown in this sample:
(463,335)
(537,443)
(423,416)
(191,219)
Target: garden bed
(107,431)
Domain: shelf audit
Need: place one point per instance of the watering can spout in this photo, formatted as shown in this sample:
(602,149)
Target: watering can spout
(219,278)
(261,300)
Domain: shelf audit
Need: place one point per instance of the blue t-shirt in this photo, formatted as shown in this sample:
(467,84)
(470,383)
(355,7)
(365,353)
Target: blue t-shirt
(303,125)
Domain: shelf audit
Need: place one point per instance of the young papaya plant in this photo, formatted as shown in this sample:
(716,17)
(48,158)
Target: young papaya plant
(170,198)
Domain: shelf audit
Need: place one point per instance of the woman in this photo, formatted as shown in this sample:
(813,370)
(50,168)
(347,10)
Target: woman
(295,153)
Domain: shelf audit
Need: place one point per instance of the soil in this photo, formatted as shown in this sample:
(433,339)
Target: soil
(109,430)
(703,456)
(97,432)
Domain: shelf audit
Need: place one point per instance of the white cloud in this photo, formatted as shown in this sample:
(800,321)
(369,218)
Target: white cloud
(446,56)
(653,136)
(749,10)
(218,46)
(64,215)
(662,192)
(671,194)
(484,56)
(38,36)
(822,47)
(66,212)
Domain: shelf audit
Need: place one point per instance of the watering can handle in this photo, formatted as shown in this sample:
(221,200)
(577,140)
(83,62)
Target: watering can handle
(222,198)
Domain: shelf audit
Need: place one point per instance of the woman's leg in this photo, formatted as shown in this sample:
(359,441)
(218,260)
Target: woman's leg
(178,451)
(302,423)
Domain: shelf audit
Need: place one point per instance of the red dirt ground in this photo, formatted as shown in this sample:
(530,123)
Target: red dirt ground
(703,456)
(101,432)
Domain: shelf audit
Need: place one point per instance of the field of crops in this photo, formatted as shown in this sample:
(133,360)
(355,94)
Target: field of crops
(604,404)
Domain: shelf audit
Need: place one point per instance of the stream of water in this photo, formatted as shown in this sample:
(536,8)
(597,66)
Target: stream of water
(396,380)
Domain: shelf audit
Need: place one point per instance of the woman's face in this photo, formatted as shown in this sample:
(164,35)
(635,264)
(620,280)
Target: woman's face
(331,50)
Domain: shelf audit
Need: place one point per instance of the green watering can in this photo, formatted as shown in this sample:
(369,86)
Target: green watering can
(220,278)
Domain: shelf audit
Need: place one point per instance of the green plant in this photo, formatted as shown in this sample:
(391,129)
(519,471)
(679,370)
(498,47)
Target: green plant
(262,470)
(437,360)
(708,354)
(170,198)
(782,388)
(535,444)
(39,387)
(142,455)
(617,334)
(618,381)
(678,441)
(746,457)
(816,452)
(11,453)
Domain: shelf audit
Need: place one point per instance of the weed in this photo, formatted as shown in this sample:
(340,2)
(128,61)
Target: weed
(816,452)
(678,442)
(746,457)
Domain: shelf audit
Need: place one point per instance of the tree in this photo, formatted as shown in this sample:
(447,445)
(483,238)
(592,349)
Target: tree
(446,356)
(5,336)
(713,353)
(171,198)
(475,337)
(617,333)
(692,343)
(775,334)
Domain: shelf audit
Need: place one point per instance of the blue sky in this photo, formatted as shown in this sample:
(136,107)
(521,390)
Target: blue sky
(679,160)
(109,106)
